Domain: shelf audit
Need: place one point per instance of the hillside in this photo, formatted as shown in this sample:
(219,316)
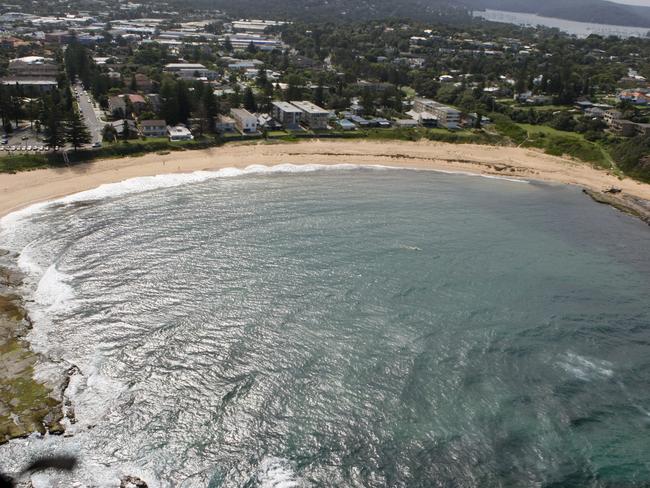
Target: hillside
(598,11)
(338,10)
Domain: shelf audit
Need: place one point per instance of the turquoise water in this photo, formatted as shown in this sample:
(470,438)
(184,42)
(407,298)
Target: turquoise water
(350,327)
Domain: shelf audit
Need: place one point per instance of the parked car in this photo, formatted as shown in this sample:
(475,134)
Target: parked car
(97,144)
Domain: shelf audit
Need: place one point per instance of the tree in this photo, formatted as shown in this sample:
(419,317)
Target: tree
(54,129)
(125,130)
(251,48)
(249,100)
(76,132)
(211,106)
(319,96)
(109,134)
(227,45)
(169,102)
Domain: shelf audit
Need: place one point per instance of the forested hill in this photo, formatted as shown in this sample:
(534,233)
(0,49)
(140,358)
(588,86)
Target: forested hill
(338,10)
(597,11)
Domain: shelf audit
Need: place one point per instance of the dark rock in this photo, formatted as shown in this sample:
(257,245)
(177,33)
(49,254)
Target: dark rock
(132,482)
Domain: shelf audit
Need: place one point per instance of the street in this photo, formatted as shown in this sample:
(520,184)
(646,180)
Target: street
(90,114)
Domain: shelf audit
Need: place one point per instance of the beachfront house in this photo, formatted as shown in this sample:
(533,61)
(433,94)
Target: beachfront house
(245,121)
(223,123)
(153,128)
(179,133)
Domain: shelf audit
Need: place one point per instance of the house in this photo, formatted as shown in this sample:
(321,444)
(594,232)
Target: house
(153,128)
(636,97)
(595,112)
(287,114)
(137,102)
(266,122)
(223,123)
(117,106)
(143,83)
(346,124)
(119,126)
(312,115)
(245,121)
(179,133)
(406,123)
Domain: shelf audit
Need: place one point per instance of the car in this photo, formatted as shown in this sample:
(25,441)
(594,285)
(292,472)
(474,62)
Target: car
(5,141)
(97,144)
(24,138)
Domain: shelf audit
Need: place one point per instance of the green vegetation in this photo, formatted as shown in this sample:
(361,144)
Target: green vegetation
(633,157)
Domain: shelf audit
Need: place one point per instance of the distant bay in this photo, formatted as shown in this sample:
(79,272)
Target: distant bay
(579,29)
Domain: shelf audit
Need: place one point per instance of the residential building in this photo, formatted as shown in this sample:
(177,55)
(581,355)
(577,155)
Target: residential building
(223,123)
(33,67)
(143,83)
(119,126)
(287,114)
(611,115)
(153,128)
(179,133)
(31,85)
(137,102)
(188,70)
(447,117)
(625,128)
(245,121)
(312,115)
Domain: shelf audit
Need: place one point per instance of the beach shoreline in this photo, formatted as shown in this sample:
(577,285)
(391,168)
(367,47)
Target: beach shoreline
(23,189)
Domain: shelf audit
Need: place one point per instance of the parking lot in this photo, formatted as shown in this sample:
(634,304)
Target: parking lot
(23,139)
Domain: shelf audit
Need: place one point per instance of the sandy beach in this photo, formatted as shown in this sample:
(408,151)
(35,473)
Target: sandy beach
(25,188)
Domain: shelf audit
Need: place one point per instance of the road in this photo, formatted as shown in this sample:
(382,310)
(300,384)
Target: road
(90,113)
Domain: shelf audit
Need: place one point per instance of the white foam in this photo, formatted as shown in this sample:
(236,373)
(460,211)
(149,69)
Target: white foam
(147,183)
(586,369)
(53,292)
(274,472)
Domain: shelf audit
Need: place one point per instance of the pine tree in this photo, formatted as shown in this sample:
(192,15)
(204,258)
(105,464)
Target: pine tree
(319,96)
(125,130)
(54,129)
(249,100)
(76,132)
(227,45)
(211,106)
(169,99)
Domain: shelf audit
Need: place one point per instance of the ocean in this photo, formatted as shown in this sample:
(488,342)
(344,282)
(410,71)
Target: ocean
(340,326)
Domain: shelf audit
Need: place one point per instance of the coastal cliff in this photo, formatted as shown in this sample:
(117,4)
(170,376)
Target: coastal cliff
(26,406)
